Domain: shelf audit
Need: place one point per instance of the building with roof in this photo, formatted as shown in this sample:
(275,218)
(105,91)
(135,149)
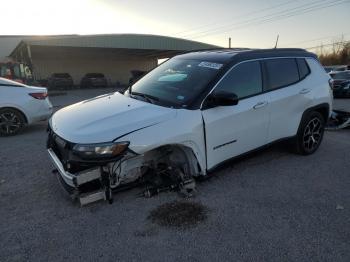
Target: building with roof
(113,55)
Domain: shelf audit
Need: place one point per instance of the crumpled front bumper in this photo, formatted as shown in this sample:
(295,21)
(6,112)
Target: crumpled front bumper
(74,180)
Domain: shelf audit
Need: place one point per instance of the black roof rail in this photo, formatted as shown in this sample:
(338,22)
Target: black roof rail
(219,49)
(246,49)
(241,54)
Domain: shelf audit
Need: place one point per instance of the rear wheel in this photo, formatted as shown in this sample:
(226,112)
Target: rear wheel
(11,122)
(310,133)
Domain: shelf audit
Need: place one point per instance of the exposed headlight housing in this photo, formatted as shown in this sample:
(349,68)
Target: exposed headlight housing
(100,151)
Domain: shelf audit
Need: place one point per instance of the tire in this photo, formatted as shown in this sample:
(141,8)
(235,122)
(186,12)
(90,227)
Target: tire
(11,122)
(310,134)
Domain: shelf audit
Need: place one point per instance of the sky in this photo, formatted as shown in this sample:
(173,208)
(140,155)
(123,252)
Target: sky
(249,23)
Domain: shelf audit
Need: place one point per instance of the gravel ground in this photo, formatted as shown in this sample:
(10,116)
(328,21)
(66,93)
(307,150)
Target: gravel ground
(269,206)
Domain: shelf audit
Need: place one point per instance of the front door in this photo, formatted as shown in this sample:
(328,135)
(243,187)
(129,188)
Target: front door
(234,130)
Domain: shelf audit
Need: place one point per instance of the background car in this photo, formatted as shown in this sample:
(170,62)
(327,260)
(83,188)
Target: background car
(329,69)
(341,84)
(60,81)
(20,105)
(340,68)
(92,80)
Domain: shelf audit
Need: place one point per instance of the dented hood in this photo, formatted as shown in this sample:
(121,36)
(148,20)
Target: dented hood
(106,118)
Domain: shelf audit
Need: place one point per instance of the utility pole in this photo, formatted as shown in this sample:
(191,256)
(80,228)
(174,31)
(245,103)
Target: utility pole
(229,42)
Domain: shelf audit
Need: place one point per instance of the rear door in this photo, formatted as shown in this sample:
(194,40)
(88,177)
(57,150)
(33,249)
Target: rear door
(233,130)
(289,94)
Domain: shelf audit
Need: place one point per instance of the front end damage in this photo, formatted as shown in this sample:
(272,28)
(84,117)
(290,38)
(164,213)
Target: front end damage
(88,178)
(339,120)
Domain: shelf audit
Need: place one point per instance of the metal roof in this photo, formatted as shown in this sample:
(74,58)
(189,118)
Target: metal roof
(120,41)
(8,43)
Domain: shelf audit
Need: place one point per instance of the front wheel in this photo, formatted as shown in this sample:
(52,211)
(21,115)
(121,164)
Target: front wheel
(310,134)
(11,122)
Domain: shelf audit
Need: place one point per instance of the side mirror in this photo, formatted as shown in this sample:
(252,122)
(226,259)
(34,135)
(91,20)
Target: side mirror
(222,98)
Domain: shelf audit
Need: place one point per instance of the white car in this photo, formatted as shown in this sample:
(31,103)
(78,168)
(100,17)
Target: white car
(189,115)
(21,105)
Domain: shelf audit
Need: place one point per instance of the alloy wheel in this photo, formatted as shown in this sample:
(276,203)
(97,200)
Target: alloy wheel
(312,134)
(9,123)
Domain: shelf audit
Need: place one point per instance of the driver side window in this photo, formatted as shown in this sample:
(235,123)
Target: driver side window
(244,80)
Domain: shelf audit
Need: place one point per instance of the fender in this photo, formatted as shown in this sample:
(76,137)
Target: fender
(323,108)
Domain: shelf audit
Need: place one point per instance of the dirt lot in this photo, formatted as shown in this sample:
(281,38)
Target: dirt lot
(270,206)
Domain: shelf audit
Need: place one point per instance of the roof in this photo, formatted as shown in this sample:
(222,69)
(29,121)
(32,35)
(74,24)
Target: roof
(120,41)
(225,55)
(8,43)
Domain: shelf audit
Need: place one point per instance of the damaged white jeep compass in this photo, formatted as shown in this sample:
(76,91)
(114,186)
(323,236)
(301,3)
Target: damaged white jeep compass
(186,117)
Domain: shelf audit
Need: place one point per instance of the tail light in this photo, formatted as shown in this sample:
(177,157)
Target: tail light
(40,96)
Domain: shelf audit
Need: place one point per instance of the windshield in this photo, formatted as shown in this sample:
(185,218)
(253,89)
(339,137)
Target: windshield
(342,75)
(177,82)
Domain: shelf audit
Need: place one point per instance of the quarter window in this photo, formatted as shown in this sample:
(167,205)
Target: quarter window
(303,68)
(281,72)
(244,80)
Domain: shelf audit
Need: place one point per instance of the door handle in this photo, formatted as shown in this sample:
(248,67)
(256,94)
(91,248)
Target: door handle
(260,104)
(304,91)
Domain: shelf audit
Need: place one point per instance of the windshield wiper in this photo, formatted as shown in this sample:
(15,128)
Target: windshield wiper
(148,98)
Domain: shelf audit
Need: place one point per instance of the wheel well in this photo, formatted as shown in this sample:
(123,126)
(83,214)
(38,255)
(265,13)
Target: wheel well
(324,111)
(19,111)
(177,155)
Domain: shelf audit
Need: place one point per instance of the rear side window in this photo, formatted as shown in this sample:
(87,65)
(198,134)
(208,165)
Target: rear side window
(304,69)
(244,80)
(281,72)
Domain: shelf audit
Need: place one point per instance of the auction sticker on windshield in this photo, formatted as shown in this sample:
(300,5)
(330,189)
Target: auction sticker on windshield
(210,65)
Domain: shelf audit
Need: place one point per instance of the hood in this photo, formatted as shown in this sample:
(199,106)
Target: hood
(106,118)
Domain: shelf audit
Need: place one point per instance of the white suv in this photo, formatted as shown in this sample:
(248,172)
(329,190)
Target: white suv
(191,113)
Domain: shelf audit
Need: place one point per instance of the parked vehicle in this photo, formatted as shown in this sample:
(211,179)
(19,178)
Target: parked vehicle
(188,116)
(93,80)
(335,69)
(21,105)
(329,69)
(341,84)
(60,81)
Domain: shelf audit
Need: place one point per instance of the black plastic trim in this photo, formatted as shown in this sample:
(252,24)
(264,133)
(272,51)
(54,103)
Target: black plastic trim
(224,144)
(247,153)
